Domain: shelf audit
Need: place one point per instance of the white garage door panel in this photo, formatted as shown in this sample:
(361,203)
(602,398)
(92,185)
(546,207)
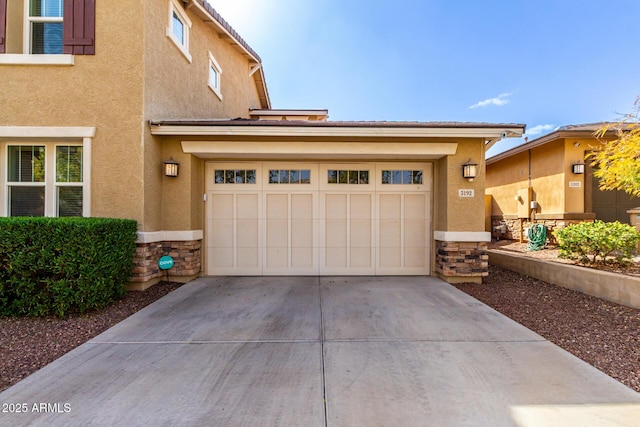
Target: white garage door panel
(233,243)
(290,234)
(346,234)
(328,219)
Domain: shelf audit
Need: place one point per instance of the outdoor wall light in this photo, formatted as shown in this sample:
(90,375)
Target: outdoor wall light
(470,170)
(577,168)
(171,167)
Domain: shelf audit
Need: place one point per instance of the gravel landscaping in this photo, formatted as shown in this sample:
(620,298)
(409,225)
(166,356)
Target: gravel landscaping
(604,334)
(28,344)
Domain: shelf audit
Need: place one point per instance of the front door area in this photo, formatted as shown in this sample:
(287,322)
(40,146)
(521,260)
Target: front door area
(289,218)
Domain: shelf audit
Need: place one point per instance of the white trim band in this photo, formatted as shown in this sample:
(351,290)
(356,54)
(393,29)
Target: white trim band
(35,59)
(169,236)
(48,132)
(462,236)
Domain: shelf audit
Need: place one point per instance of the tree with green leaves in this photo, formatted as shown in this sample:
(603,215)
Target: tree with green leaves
(616,162)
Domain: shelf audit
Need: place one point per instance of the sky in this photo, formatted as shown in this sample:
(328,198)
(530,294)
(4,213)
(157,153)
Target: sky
(543,63)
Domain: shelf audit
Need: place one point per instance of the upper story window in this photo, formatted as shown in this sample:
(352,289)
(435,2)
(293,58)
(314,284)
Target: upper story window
(178,28)
(215,73)
(43,30)
(46,31)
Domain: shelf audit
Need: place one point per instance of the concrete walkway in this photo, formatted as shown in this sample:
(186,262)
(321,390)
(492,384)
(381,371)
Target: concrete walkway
(309,351)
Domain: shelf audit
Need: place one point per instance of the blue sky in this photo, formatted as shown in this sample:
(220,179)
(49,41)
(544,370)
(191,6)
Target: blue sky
(544,63)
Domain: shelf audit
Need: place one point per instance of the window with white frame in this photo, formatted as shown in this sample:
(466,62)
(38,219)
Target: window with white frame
(43,29)
(215,73)
(178,28)
(45,179)
(46,31)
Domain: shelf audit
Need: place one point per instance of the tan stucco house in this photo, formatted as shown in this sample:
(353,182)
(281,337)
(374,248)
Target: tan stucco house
(99,96)
(549,180)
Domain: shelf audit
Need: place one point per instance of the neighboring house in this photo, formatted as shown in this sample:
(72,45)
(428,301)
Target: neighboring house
(98,96)
(551,172)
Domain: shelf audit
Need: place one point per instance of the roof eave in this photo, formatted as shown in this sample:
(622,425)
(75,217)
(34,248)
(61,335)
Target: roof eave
(213,17)
(555,135)
(328,129)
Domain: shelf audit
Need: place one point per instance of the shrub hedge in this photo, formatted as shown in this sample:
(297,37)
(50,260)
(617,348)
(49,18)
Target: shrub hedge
(58,266)
(597,241)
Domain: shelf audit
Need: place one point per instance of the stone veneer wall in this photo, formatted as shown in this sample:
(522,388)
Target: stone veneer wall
(462,259)
(513,226)
(185,254)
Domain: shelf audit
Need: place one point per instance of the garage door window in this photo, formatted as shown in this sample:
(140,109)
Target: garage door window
(347,177)
(405,177)
(289,176)
(235,176)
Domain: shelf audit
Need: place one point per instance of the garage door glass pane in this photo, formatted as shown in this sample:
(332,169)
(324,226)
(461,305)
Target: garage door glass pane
(405,177)
(238,176)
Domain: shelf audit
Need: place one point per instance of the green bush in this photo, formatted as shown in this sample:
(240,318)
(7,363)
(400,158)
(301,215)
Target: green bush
(597,241)
(58,266)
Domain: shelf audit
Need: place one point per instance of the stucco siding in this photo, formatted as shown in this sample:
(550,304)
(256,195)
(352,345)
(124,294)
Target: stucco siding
(465,213)
(543,169)
(176,88)
(103,91)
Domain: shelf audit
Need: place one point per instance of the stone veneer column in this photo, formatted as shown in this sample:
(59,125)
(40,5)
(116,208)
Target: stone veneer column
(462,260)
(186,255)
(462,256)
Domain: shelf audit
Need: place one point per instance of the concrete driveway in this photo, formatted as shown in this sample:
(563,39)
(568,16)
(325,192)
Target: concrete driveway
(310,351)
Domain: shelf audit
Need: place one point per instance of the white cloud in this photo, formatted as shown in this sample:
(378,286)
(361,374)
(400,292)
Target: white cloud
(498,101)
(538,129)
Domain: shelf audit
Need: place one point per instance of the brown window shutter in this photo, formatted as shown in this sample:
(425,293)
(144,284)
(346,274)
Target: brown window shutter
(3,25)
(79,27)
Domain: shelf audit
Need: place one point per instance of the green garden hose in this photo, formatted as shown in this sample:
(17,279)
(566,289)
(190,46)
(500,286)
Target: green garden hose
(537,237)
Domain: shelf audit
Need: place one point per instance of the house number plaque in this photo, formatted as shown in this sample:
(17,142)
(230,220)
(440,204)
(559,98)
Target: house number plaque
(466,193)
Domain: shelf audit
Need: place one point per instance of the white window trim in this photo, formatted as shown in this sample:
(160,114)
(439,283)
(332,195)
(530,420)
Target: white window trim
(26,28)
(31,59)
(49,136)
(214,64)
(174,6)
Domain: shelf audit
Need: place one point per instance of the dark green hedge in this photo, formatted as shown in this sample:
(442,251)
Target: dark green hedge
(58,266)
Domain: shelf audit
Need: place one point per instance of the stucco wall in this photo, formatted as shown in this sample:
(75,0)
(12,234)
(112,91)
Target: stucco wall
(462,213)
(102,90)
(178,89)
(549,176)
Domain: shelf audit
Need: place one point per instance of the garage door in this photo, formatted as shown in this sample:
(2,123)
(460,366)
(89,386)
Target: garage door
(310,218)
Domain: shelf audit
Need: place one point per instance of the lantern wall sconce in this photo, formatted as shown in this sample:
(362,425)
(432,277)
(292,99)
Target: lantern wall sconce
(470,170)
(171,167)
(577,168)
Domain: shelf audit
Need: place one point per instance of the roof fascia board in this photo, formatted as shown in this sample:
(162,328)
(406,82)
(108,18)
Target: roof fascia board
(223,30)
(328,131)
(559,134)
(277,112)
(260,80)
